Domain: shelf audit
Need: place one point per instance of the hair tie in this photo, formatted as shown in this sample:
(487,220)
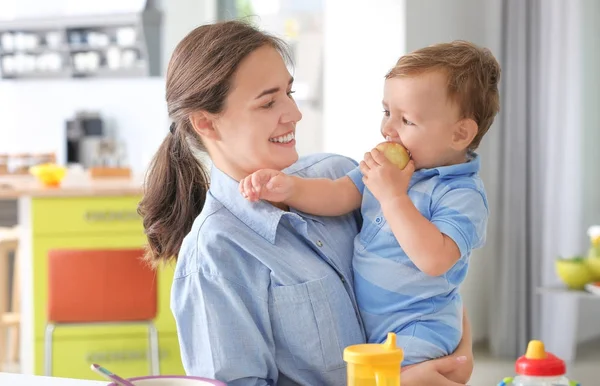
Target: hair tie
(172,128)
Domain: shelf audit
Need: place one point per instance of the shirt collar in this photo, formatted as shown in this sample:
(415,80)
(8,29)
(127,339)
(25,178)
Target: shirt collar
(260,216)
(466,168)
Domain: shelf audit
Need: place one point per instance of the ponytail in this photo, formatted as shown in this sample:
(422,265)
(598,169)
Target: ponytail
(174,194)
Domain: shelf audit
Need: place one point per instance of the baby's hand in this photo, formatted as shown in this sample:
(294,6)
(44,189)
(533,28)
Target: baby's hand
(385,180)
(267,184)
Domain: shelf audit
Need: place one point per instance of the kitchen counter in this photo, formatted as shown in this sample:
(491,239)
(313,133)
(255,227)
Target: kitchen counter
(31,380)
(80,185)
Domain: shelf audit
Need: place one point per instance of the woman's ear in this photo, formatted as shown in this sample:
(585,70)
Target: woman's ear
(203,124)
(464,132)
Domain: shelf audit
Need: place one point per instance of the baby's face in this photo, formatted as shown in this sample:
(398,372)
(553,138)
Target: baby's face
(419,115)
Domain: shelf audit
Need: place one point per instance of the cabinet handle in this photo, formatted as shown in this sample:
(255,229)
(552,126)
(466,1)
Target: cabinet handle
(123,215)
(122,356)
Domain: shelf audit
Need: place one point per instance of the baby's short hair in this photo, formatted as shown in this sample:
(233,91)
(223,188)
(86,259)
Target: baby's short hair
(473,74)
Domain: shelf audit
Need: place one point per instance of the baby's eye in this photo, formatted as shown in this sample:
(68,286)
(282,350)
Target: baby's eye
(386,113)
(407,122)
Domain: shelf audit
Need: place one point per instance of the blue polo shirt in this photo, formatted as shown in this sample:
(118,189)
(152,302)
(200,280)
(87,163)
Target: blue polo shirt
(393,295)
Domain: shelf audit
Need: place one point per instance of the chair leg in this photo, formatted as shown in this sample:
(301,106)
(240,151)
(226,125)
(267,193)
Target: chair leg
(48,349)
(153,354)
(15,331)
(13,351)
(2,347)
(4,252)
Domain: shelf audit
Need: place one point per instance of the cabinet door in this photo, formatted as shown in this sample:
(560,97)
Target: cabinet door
(126,356)
(41,245)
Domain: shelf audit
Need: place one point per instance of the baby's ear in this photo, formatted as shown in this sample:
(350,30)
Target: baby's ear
(465,131)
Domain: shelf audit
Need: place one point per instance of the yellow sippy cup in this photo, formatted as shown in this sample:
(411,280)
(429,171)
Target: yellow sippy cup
(374,364)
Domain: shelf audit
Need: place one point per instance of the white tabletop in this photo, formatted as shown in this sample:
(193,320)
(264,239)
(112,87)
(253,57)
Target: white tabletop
(31,380)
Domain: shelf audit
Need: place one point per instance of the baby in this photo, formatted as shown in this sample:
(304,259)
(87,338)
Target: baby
(420,223)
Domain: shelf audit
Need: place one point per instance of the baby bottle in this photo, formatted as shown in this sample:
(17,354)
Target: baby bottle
(538,368)
(374,364)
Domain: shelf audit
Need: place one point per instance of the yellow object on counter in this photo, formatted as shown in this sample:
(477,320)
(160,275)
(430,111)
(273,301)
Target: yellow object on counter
(50,175)
(374,364)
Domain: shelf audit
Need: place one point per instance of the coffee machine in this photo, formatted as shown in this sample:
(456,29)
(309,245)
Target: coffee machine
(84,133)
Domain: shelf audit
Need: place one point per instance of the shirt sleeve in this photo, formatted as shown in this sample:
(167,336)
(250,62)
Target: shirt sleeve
(462,215)
(224,330)
(356,177)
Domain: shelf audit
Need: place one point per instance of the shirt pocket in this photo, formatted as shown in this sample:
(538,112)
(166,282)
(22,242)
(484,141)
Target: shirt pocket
(369,231)
(307,327)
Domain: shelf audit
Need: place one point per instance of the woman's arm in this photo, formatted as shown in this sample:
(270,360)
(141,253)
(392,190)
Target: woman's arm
(224,330)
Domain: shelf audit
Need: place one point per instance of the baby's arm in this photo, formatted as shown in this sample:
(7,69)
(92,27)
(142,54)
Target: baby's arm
(324,197)
(318,196)
(457,226)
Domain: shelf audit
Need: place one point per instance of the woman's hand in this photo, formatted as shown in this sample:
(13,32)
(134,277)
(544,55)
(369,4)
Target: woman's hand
(438,372)
(463,373)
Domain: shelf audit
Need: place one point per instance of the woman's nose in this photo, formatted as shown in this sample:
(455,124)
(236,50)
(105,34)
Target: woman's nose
(293,114)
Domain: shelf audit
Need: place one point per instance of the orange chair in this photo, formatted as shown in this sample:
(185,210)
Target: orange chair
(96,287)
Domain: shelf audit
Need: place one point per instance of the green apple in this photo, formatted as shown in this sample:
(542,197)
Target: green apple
(574,272)
(395,153)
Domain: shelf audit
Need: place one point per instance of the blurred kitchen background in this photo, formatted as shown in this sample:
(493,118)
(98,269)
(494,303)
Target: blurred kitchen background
(82,82)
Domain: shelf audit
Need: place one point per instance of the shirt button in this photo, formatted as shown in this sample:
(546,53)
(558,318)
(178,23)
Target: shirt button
(319,243)
(378,220)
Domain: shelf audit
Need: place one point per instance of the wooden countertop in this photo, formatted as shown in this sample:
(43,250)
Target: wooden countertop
(12,187)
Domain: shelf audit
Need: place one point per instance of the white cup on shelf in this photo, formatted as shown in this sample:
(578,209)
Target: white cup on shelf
(113,58)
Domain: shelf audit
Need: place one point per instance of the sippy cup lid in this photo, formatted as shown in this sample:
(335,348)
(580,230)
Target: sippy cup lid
(375,354)
(538,363)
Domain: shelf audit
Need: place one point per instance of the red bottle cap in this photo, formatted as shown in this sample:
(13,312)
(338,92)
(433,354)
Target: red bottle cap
(538,363)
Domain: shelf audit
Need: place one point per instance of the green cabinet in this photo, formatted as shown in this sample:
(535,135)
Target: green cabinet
(96,222)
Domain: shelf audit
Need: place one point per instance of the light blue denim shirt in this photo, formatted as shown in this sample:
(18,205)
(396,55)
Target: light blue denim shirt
(265,297)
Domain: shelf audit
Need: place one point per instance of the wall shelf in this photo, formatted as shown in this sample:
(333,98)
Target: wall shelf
(105,46)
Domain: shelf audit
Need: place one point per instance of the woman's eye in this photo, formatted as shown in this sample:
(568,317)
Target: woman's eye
(289,93)
(407,122)
(386,113)
(268,105)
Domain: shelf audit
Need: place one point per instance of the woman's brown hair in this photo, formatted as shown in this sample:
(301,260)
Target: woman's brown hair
(199,78)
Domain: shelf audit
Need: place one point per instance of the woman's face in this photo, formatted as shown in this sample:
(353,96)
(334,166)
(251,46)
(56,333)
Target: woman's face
(257,127)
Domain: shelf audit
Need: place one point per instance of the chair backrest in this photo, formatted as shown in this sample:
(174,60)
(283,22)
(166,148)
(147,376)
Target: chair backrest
(109,285)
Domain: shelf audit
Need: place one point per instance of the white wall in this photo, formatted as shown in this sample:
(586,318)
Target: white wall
(180,17)
(361,44)
(435,21)
(33,113)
